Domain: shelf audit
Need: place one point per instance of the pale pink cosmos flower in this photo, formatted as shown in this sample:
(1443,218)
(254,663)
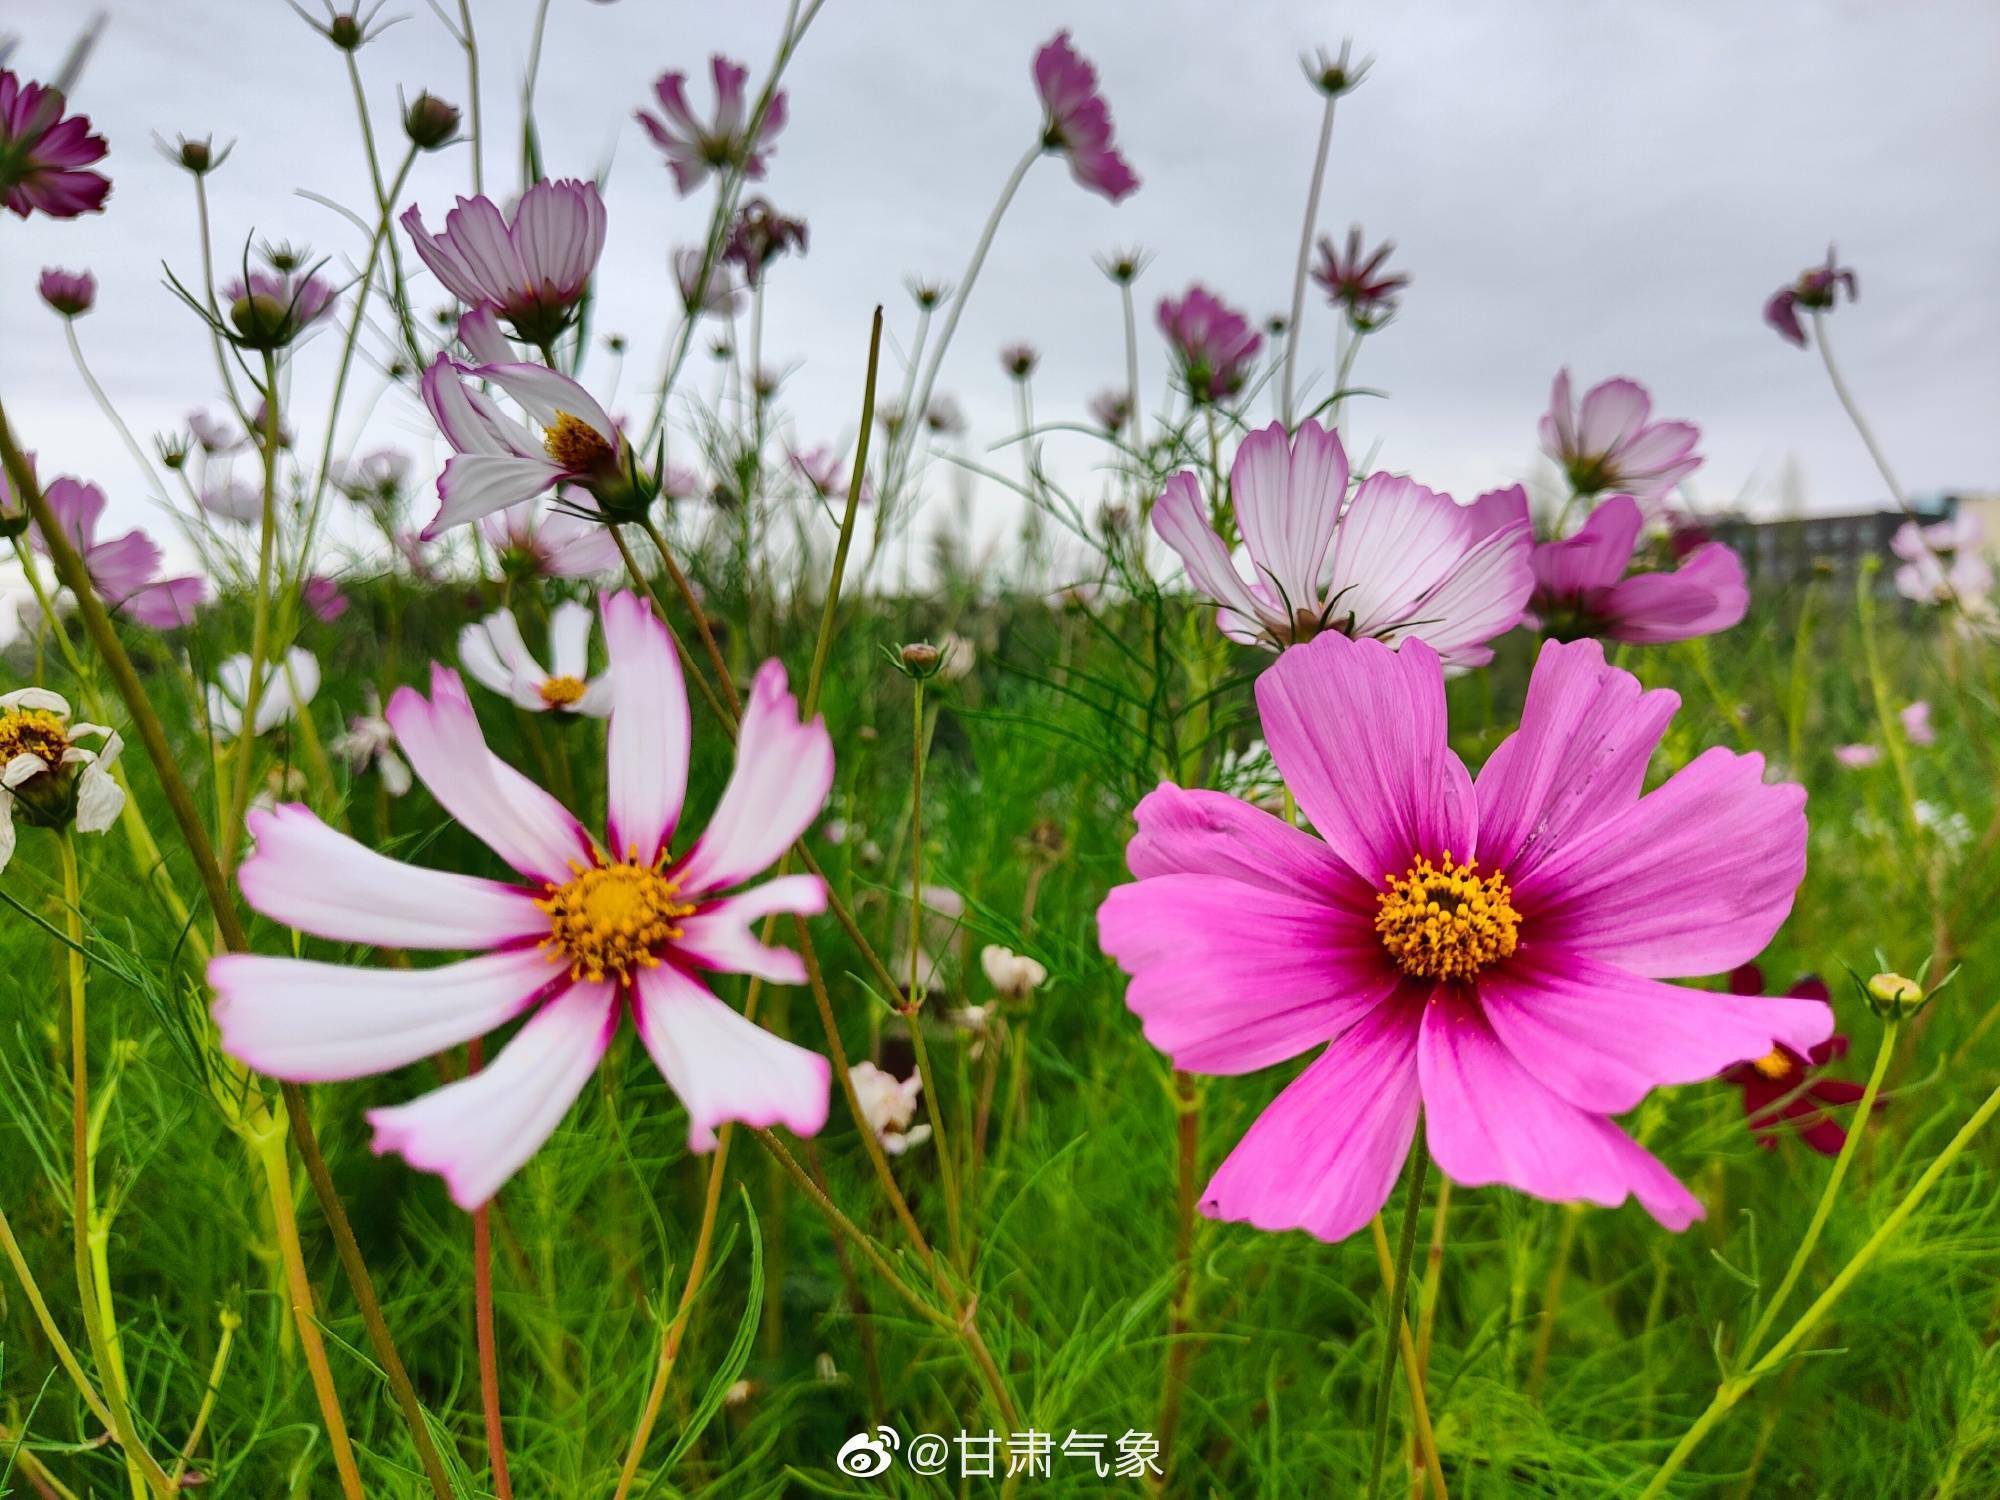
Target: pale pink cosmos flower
(498,461)
(369,743)
(1486,951)
(1398,561)
(826,474)
(1077,122)
(43,154)
(1581,587)
(889,1104)
(589,933)
(721,293)
(493,651)
(550,542)
(1944,563)
(531,267)
(1857,757)
(1213,345)
(694,148)
(125,570)
(231,499)
(1916,722)
(1611,442)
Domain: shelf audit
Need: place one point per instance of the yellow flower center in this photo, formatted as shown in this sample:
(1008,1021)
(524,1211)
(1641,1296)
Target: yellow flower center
(1447,921)
(560,692)
(612,919)
(1774,1065)
(32,731)
(576,445)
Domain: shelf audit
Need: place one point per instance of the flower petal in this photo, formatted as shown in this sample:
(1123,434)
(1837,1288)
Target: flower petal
(1288,496)
(1195,832)
(719,937)
(1181,520)
(646,746)
(569,639)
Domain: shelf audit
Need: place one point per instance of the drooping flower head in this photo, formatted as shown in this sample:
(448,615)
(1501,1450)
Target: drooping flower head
(1581,586)
(693,148)
(1077,122)
(889,1104)
(531,267)
(1357,280)
(1816,290)
(44,154)
(125,570)
(1782,1090)
(47,775)
(1611,442)
(532,540)
(1488,951)
(1213,345)
(592,932)
(1399,561)
(71,293)
(759,235)
(493,651)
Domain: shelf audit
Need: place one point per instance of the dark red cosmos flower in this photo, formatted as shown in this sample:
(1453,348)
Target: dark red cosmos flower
(1781,1089)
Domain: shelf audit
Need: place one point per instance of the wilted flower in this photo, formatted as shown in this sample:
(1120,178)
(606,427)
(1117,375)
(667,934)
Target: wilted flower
(46,775)
(70,293)
(43,154)
(591,933)
(888,1105)
(1213,345)
(1781,1090)
(1357,281)
(195,155)
(1014,975)
(531,267)
(288,686)
(1111,410)
(926,294)
(945,416)
(694,149)
(1335,75)
(1612,443)
(125,570)
(1401,561)
(1816,290)
(1077,122)
(368,742)
(760,235)
(1487,954)
(1123,266)
(549,543)
(493,651)
(1581,587)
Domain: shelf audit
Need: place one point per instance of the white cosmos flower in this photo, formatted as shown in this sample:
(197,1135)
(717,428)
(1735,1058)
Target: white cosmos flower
(889,1104)
(493,651)
(369,741)
(39,752)
(289,685)
(1014,975)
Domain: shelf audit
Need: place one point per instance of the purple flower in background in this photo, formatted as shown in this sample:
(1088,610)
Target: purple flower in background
(125,570)
(1857,757)
(530,268)
(1111,410)
(1357,281)
(549,543)
(272,308)
(1816,290)
(694,149)
(719,294)
(70,293)
(1610,442)
(1916,721)
(1019,360)
(1213,344)
(822,468)
(1078,121)
(43,154)
(215,435)
(760,235)
(324,598)
(1581,588)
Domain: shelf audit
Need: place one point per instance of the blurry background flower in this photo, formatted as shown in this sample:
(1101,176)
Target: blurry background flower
(289,685)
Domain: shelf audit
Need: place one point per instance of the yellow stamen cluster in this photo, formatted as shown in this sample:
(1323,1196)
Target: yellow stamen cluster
(1774,1065)
(1446,921)
(576,445)
(560,692)
(32,731)
(612,919)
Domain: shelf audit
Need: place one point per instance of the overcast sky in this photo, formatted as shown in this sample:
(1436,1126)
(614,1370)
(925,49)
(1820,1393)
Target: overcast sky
(1612,187)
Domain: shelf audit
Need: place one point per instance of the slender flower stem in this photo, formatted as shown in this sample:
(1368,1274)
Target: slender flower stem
(214,307)
(1420,1412)
(482,1321)
(470,42)
(1853,410)
(1180,1313)
(1419,1357)
(1305,256)
(231,1321)
(685,589)
(1406,1245)
(1552,1290)
(65,1356)
(857,476)
(1737,1386)
(1135,412)
(1885,714)
(245,753)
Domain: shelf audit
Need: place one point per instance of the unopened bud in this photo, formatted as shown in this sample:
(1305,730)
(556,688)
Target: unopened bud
(1893,990)
(430,123)
(920,656)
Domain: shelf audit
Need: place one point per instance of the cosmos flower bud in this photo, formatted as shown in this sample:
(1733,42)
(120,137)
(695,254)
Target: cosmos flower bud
(1895,990)
(346,32)
(260,318)
(430,123)
(920,657)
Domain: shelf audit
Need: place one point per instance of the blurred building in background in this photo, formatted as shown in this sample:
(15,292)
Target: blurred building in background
(1790,548)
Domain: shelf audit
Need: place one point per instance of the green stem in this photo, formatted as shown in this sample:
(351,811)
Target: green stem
(245,753)
(1406,1245)
(1305,255)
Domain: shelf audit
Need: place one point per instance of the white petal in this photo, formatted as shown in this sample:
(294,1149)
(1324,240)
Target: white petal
(646,746)
(569,639)
(719,936)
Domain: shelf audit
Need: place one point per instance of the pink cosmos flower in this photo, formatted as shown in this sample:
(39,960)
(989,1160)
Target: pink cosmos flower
(1916,721)
(215,434)
(273,308)
(71,293)
(694,149)
(1213,344)
(1400,561)
(493,651)
(551,543)
(823,470)
(1783,1089)
(1078,122)
(1357,281)
(324,598)
(1487,951)
(1944,563)
(1581,587)
(1610,442)
(720,294)
(1816,290)
(531,267)
(233,499)
(589,933)
(43,154)
(125,570)
(1857,757)
(498,461)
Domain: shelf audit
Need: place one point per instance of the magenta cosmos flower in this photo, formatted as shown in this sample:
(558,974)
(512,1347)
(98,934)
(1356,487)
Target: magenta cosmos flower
(1399,561)
(71,293)
(1358,280)
(530,268)
(125,570)
(1816,290)
(694,149)
(1782,1090)
(498,461)
(588,933)
(1213,344)
(1581,587)
(43,155)
(1078,122)
(1610,441)
(1486,951)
